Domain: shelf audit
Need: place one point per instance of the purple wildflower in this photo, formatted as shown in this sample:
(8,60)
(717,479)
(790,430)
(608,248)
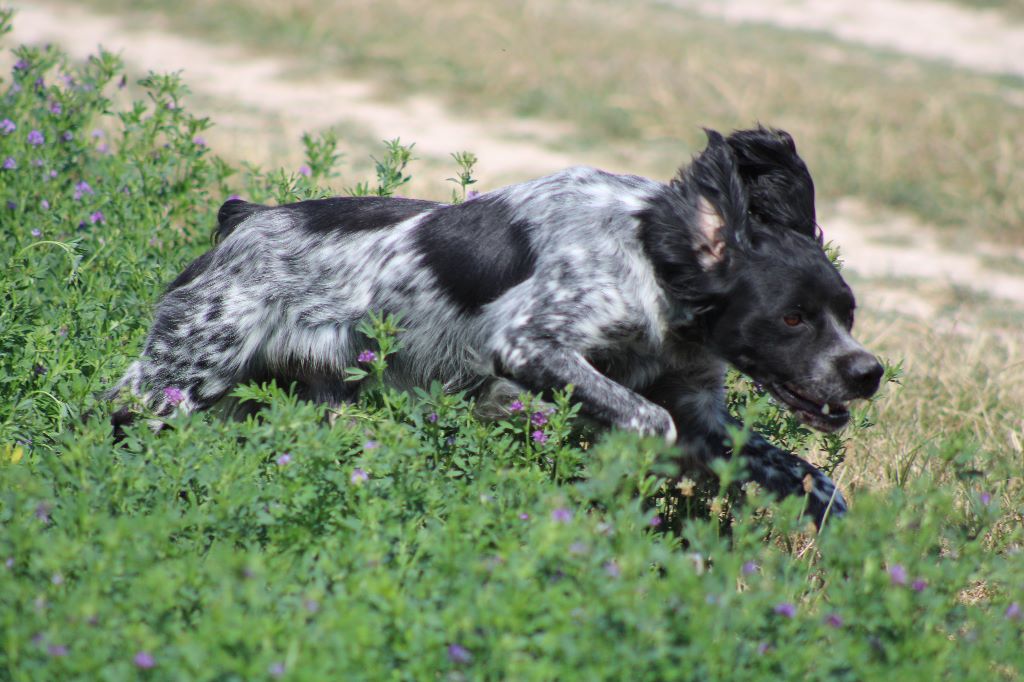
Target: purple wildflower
(97,133)
(897,574)
(12,205)
(81,188)
(38,163)
(367,356)
(7,126)
(284,459)
(432,417)
(358,476)
(371,445)
(986,498)
(458,654)
(312,605)
(539,436)
(199,141)
(561,515)
(97,217)
(785,609)
(472,194)
(539,419)
(655,521)
(55,108)
(57,579)
(45,205)
(1013,611)
(749,568)
(516,406)
(611,567)
(305,170)
(39,83)
(144,660)
(10,163)
(834,620)
(763,648)
(919,585)
(174,395)
(9,563)
(36,138)
(53,174)
(103,147)
(276,669)
(69,82)
(578,548)
(522,517)
(21,65)
(43,512)
(57,650)
(170,106)
(67,136)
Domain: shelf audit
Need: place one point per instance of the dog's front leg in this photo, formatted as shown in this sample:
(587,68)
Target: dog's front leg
(544,368)
(699,411)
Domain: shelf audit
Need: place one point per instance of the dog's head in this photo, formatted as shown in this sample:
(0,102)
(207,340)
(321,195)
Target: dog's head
(772,303)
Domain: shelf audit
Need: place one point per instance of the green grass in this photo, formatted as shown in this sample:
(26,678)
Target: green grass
(638,81)
(410,540)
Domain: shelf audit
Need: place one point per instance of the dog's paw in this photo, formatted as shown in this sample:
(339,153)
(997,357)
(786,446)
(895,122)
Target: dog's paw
(654,421)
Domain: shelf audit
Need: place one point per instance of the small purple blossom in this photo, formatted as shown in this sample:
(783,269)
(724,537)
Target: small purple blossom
(199,141)
(68,81)
(516,406)
(7,126)
(55,108)
(432,417)
(359,476)
(38,163)
(81,188)
(39,83)
(522,517)
(305,170)
(97,133)
(53,174)
(611,567)
(763,648)
(57,650)
(283,459)
(57,579)
(10,163)
(897,574)
(561,515)
(539,436)
(539,419)
(144,660)
(103,147)
(919,585)
(67,136)
(173,395)
(12,205)
(749,568)
(36,138)
(655,521)
(371,445)
(986,498)
(9,563)
(578,548)
(367,356)
(1013,611)
(312,605)
(45,205)
(458,654)
(43,512)
(276,669)
(472,194)
(97,217)
(834,620)
(785,609)
(21,65)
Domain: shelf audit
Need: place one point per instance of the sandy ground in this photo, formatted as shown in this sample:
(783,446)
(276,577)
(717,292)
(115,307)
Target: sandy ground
(259,96)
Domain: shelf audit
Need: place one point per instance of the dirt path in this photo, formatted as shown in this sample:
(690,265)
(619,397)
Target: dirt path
(253,88)
(981,40)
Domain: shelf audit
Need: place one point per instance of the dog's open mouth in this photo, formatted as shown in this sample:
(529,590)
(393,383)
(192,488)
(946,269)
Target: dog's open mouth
(829,416)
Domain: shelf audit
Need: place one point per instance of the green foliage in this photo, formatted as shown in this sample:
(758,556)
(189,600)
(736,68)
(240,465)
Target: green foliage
(401,537)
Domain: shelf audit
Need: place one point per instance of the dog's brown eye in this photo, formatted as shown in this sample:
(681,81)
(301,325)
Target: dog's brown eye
(793,319)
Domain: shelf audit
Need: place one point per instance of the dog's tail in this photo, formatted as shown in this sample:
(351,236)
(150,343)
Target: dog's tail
(231,215)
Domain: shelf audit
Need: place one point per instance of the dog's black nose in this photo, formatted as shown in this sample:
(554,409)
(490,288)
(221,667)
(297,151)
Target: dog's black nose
(862,372)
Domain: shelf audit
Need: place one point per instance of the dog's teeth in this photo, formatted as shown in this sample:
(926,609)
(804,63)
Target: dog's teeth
(825,409)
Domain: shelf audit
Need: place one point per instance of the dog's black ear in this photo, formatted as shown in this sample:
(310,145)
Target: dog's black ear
(721,201)
(776,178)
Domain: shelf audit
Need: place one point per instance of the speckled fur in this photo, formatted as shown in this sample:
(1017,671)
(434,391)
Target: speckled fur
(578,298)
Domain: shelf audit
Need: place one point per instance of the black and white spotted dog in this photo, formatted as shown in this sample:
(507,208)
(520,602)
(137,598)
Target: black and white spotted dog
(637,293)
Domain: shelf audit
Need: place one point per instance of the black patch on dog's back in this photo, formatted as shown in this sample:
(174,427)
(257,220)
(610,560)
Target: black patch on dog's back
(355,214)
(476,250)
(194,269)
